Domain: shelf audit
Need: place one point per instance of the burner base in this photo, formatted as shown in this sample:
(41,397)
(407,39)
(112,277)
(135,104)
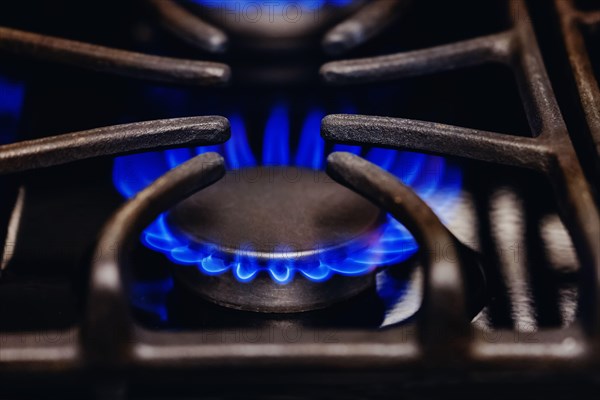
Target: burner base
(265,296)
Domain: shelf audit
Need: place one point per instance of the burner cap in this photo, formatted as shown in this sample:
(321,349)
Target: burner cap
(271,214)
(277,212)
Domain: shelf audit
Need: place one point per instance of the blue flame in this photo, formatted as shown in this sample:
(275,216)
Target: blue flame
(433,178)
(151,297)
(12,97)
(276,149)
(237,150)
(277,6)
(312,147)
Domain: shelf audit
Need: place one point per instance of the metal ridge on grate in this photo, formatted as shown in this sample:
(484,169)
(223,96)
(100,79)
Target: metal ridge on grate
(111,141)
(573,22)
(115,61)
(189,27)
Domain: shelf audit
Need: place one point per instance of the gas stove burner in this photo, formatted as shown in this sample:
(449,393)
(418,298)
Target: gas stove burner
(276,221)
(283,219)
(97,290)
(277,215)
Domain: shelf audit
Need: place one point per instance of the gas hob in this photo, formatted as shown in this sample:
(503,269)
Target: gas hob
(337,199)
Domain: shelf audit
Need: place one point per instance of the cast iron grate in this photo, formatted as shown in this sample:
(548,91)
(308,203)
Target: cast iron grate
(580,26)
(109,349)
(549,151)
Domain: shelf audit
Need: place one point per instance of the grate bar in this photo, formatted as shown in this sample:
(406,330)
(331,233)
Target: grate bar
(108,330)
(590,18)
(112,140)
(435,138)
(188,27)
(366,23)
(444,324)
(573,22)
(40,352)
(493,48)
(120,62)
